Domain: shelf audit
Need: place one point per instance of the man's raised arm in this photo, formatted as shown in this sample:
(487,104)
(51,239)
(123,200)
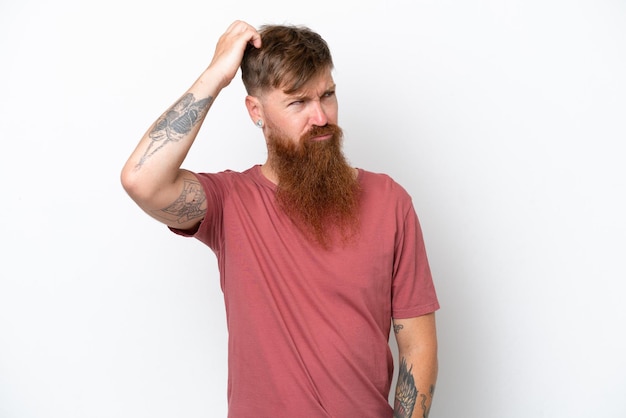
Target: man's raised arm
(152,176)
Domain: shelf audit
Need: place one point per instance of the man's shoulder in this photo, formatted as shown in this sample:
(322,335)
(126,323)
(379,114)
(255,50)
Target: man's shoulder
(382,191)
(229,175)
(379,181)
(248,184)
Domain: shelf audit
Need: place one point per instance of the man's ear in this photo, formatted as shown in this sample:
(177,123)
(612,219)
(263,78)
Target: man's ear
(254,108)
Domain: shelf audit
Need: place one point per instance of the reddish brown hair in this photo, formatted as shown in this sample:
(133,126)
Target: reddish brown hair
(288,58)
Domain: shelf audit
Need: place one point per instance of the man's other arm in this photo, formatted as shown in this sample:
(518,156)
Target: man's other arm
(417,371)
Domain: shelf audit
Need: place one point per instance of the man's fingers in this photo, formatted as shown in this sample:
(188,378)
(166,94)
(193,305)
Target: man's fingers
(241,28)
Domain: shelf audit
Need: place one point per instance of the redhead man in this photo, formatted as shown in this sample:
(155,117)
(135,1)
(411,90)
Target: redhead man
(317,259)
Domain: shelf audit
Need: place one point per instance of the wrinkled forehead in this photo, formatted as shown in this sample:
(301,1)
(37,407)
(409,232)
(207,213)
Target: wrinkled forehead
(317,82)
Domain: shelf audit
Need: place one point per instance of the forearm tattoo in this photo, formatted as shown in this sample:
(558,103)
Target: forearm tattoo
(406,394)
(175,123)
(426,408)
(190,204)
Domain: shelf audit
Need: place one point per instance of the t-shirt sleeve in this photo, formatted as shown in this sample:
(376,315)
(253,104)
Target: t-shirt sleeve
(413,290)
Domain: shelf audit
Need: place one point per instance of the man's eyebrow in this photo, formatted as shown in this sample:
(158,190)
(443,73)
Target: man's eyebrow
(303,95)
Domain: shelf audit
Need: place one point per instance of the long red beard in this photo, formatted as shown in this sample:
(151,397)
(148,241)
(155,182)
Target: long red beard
(316,186)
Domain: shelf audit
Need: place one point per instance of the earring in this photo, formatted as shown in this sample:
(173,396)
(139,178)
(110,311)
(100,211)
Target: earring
(259,123)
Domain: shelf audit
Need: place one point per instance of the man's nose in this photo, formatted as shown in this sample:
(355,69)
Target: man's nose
(318,114)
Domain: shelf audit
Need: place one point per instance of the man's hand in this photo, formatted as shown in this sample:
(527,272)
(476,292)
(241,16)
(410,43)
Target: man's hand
(230,48)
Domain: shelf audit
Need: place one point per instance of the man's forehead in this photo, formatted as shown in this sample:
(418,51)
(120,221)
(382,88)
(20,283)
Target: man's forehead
(315,86)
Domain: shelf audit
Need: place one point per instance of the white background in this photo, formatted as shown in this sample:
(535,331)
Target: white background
(505,120)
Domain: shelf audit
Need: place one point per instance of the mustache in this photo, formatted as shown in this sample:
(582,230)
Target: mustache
(322,130)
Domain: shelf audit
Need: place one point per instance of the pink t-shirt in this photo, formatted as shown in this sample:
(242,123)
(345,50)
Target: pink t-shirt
(309,328)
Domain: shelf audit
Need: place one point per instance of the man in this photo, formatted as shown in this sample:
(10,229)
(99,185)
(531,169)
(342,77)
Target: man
(317,259)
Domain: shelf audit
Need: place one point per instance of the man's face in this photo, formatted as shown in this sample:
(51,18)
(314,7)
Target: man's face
(292,116)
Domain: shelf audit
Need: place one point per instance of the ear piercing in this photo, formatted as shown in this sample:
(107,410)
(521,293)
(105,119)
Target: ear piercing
(259,123)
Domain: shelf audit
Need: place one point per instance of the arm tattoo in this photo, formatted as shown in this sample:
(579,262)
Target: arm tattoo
(426,408)
(406,392)
(175,123)
(189,205)
(397,328)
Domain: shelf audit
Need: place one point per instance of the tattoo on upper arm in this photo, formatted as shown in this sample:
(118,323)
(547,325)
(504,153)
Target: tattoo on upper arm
(397,328)
(190,204)
(175,123)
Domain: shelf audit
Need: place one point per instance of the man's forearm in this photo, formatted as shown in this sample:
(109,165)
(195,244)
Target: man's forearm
(179,123)
(415,387)
(165,145)
(155,163)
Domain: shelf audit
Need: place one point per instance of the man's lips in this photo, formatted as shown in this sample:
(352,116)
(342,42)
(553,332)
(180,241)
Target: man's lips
(321,137)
